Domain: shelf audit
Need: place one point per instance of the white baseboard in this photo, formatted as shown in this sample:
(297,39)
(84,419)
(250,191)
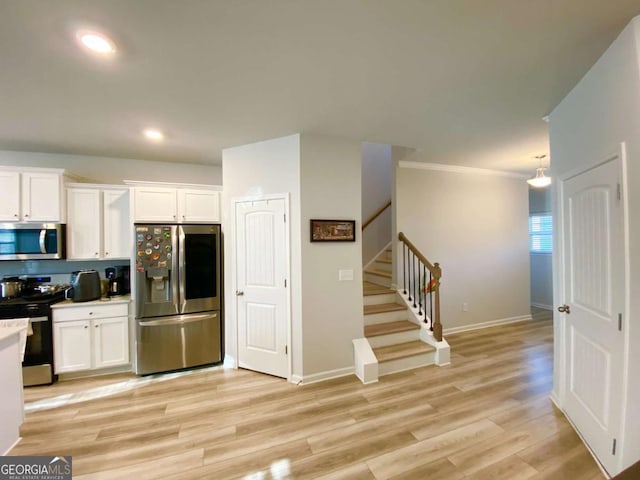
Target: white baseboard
(490,323)
(319,377)
(12,446)
(541,305)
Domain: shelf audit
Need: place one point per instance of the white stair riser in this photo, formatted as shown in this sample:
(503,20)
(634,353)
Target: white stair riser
(394,338)
(376,318)
(378,299)
(377,279)
(407,363)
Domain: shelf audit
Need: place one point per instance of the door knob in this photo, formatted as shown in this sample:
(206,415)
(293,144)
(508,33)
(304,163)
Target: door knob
(564,309)
(239,293)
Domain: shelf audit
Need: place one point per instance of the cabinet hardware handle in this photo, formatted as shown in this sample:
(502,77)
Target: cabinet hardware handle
(90,313)
(16,215)
(86,326)
(26,215)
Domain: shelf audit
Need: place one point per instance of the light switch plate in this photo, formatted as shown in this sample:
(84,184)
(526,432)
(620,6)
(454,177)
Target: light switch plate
(345,275)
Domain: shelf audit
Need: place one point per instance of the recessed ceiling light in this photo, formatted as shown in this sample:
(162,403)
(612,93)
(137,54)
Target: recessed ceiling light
(153,134)
(96,42)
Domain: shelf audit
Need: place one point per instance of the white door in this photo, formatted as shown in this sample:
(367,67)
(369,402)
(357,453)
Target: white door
(594,286)
(261,291)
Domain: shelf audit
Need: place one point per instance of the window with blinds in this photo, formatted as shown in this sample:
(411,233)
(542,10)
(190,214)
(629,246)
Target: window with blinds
(540,233)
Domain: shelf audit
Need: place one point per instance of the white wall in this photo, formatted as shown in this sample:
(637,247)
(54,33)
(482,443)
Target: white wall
(475,226)
(602,111)
(541,263)
(114,170)
(376,192)
(263,168)
(332,312)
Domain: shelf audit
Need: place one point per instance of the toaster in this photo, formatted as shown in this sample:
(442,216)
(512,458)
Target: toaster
(85,286)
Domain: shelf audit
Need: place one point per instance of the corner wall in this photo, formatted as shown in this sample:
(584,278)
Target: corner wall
(476,226)
(589,124)
(332,312)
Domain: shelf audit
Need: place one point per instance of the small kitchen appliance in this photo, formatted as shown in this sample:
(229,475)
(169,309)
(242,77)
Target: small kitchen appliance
(85,286)
(118,278)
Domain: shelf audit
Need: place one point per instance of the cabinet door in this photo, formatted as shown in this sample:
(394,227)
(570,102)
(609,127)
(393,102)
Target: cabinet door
(41,197)
(117,224)
(10,204)
(84,228)
(155,204)
(72,346)
(110,342)
(198,206)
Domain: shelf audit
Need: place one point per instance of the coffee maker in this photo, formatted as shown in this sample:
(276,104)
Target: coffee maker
(119,280)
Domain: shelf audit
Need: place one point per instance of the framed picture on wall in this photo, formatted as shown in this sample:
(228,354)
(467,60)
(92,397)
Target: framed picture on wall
(333,230)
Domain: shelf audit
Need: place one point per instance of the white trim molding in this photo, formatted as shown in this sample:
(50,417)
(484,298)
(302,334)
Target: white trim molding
(321,376)
(460,169)
(490,323)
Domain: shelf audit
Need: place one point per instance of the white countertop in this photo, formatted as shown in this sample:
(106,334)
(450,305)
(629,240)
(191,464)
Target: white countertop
(6,332)
(102,301)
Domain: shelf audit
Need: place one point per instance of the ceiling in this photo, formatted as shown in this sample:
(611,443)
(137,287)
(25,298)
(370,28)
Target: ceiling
(465,82)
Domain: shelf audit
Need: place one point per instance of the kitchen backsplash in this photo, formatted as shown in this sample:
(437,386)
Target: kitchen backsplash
(58,270)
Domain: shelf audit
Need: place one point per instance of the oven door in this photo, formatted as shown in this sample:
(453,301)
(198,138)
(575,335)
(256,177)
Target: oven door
(37,366)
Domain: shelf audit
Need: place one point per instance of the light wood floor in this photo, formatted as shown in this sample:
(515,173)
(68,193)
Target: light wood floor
(486,416)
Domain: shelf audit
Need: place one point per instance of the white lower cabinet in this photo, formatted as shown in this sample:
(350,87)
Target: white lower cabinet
(90,337)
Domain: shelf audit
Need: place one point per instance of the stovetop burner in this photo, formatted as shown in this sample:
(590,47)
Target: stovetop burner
(51,297)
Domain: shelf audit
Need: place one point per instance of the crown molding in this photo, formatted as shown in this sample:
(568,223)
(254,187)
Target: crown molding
(460,169)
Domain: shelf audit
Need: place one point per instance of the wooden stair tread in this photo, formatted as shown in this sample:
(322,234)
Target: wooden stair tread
(401,350)
(389,327)
(383,260)
(383,308)
(380,273)
(369,288)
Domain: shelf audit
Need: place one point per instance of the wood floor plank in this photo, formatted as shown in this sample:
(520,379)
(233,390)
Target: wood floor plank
(486,415)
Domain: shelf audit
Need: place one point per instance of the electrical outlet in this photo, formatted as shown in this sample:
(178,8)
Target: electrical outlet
(465,307)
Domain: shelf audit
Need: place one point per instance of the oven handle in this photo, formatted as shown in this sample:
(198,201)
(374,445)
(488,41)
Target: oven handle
(39,319)
(43,233)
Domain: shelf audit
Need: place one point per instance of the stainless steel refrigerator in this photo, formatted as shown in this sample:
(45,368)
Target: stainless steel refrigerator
(178,297)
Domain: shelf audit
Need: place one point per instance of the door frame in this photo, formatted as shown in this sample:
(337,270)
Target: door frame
(234,277)
(558,395)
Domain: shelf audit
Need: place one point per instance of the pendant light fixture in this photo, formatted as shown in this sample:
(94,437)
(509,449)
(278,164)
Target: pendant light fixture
(540,180)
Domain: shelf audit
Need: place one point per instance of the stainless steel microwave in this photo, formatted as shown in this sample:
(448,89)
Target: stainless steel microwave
(32,241)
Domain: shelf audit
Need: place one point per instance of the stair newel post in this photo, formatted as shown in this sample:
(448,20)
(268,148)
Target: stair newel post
(437,326)
(413,277)
(404,268)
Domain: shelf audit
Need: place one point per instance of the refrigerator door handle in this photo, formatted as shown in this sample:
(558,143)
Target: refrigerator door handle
(177,320)
(181,269)
(175,268)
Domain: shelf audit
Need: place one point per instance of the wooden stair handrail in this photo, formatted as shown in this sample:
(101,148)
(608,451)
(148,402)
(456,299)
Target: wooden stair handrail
(436,271)
(376,214)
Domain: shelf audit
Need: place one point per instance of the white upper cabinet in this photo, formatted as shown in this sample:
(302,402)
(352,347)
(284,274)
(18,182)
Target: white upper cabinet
(98,222)
(31,196)
(175,204)
(198,205)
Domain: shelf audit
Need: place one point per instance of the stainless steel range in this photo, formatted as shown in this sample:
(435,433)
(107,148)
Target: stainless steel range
(34,303)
